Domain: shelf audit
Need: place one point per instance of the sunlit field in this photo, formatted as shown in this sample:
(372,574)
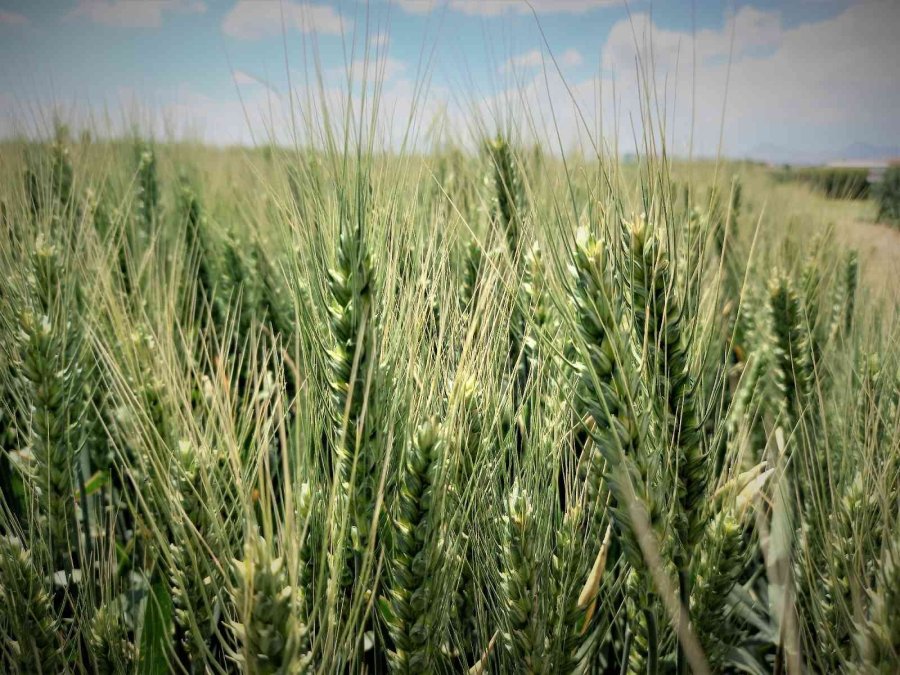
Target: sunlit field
(482,405)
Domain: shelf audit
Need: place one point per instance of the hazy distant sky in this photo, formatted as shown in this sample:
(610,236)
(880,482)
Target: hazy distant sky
(806,76)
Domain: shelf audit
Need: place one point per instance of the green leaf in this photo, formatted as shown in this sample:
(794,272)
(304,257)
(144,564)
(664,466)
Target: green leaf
(95,482)
(387,612)
(744,660)
(123,556)
(156,631)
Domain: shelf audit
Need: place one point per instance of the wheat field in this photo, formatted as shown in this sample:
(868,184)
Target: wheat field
(474,410)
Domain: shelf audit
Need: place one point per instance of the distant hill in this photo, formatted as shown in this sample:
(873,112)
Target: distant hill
(775,154)
(862,151)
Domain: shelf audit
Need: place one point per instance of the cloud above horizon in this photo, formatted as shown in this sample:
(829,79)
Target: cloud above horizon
(490,8)
(755,75)
(536,58)
(255,19)
(130,14)
(814,80)
(383,69)
(380,39)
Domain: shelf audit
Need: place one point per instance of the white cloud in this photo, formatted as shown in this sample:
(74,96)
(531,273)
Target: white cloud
(825,82)
(381,69)
(254,19)
(531,59)
(244,79)
(183,113)
(13,18)
(416,6)
(748,31)
(131,14)
(187,113)
(535,58)
(817,87)
(571,57)
(379,40)
(500,7)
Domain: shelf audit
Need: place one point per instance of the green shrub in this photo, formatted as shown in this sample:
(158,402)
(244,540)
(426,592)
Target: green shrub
(887,192)
(833,182)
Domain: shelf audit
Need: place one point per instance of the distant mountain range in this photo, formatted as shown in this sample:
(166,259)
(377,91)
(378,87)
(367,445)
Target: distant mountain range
(774,154)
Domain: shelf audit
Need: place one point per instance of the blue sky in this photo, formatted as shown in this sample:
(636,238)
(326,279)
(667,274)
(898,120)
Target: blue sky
(805,78)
